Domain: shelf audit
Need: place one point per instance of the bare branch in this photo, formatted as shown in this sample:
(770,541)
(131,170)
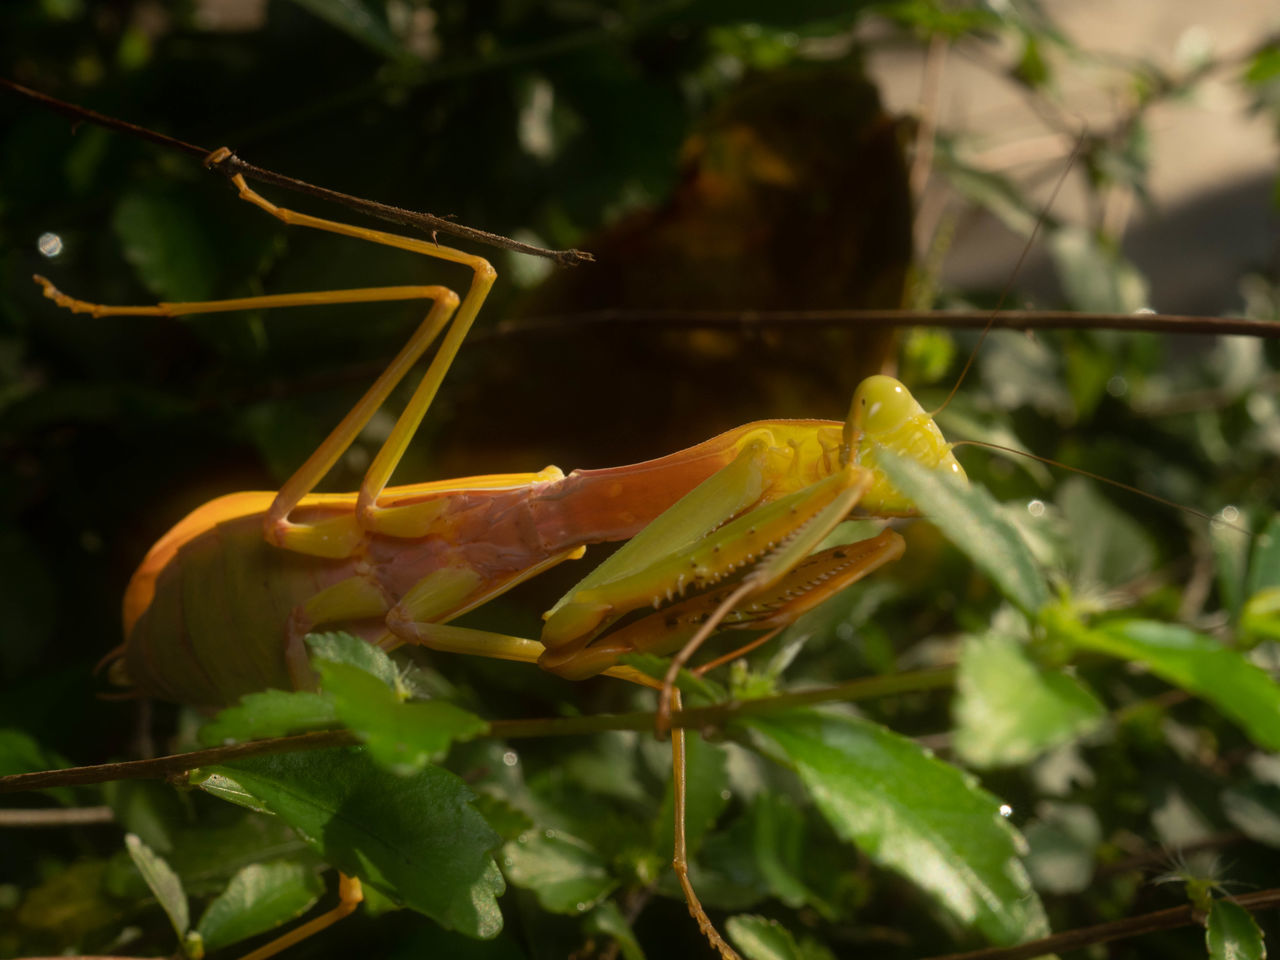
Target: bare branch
(718,715)
(747,320)
(56,817)
(1172,918)
(231,165)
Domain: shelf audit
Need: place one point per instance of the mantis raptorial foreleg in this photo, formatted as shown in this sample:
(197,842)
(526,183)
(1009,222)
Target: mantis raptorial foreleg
(809,583)
(771,539)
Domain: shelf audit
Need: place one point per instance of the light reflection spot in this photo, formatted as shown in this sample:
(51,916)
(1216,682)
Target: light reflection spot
(49,244)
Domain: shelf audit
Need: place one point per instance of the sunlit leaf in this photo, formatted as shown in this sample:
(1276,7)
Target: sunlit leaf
(971,520)
(1199,665)
(913,814)
(565,874)
(1009,711)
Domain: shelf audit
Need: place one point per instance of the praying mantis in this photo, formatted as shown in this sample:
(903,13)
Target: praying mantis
(394,564)
(779,482)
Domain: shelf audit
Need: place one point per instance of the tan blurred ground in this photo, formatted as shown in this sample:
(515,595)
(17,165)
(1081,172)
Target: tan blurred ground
(1210,217)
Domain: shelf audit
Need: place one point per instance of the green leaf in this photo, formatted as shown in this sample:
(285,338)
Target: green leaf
(1110,548)
(1231,556)
(1032,69)
(69,903)
(164,883)
(760,938)
(1009,711)
(564,873)
(259,898)
(995,193)
(1260,618)
(1264,564)
(1254,808)
(357,21)
(164,240)
(1233,934)
(415,838)
(1095,277)
(150,809)
(345,648)
(687,682)
(271,713)
(1199,665)
(402,737)
(1264,67)
(608,920)
(913,814)
(971,520)
(226,788)
(1064,841)
(777,840)
(21,753)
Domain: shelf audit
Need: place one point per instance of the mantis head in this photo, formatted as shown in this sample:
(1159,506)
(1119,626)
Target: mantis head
(884,415)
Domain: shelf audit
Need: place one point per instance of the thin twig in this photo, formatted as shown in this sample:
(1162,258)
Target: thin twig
(161,768)
(746,320)
(232,165)
(56,817)
(719,715)
(1170,919)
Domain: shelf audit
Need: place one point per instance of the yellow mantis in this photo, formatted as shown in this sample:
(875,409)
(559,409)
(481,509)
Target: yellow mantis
(394,564)
(736,522)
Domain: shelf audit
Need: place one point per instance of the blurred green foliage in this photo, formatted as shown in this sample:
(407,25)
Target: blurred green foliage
(1116,684)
